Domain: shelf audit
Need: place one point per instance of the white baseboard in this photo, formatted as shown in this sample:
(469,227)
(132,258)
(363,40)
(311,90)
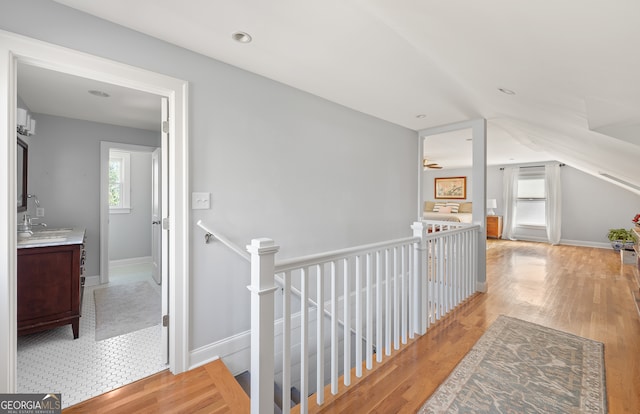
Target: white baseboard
(581,243)
(481,287)
(91,281)
(130,261)
(235,351)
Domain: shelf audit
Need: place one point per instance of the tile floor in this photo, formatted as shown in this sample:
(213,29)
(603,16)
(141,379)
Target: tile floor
(52,361)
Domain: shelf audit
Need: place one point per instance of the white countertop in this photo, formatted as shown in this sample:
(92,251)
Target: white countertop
(47,237)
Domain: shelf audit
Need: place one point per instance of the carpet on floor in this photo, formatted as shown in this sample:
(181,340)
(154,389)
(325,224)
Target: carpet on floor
(522,367)
(125,308)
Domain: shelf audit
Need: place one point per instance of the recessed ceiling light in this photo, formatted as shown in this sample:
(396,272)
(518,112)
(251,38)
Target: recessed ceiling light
(242,37)
(101,94)
(420,116)
(507,91)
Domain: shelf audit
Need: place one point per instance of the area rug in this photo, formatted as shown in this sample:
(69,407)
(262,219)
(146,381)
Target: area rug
(521,367)
(121,309)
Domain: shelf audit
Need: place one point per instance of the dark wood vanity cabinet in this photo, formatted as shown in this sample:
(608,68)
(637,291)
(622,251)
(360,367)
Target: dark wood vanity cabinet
(49,287)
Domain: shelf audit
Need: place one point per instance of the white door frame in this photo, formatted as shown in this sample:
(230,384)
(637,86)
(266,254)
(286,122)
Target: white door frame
(14,48)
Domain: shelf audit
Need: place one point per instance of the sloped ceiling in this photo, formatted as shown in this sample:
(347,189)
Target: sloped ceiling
(573,64)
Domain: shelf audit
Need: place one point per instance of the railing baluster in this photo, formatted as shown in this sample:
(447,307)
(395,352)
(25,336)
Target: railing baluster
(378,306)
(286,344)
(403,303)
(320,335)
(369,312)
(441,262)
(387,303)
(413,295)
(334,330)
(449,273)
(460,263)
(396,297)
(470,263)
(346,371)
(358,310)
(304,340)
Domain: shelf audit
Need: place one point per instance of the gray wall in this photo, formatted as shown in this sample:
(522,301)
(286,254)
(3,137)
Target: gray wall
(130,233)
(278,162)
(64,172)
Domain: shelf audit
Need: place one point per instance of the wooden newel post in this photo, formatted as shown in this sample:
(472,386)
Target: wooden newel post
(420,278)
(262,321)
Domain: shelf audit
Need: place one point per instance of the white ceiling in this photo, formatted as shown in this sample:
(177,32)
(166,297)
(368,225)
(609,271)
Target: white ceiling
(573,64)
(53,93)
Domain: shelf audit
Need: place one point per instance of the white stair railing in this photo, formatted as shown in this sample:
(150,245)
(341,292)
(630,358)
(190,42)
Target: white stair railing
(382,293)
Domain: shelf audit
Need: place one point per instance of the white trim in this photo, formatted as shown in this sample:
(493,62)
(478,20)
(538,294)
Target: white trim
(14,48)
(581,243)
(130,261)
(481,287)
(565,242)
(235,351)
(91,281)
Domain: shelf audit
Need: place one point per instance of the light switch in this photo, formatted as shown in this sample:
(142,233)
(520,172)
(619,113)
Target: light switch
(200,201)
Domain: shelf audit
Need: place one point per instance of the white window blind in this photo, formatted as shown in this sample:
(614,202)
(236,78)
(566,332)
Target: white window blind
(531,199)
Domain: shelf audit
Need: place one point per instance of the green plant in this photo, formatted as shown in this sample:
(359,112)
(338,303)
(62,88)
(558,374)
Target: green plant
(622,235)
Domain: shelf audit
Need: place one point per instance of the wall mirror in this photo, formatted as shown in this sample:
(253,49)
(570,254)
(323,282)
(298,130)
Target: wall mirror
(21,174)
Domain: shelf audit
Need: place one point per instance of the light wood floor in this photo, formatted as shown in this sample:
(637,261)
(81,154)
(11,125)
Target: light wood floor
(207,389)
(584,291)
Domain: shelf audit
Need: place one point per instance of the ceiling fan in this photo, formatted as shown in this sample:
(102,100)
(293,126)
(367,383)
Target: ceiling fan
(431,165)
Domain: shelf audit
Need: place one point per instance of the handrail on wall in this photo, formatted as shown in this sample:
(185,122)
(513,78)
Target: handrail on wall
(212,234)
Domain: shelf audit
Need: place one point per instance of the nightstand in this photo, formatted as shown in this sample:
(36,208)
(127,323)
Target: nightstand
(494,226)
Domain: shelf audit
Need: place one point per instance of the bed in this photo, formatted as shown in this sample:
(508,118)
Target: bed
(447,211)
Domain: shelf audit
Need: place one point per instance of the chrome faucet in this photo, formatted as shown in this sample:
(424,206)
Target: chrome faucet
(25,228)
(38,224)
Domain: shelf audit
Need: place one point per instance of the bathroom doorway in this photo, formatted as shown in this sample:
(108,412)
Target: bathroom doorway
(18,49)
(63,162)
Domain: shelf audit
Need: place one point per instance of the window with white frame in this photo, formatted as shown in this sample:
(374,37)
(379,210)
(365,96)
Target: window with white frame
(119,181)
(531,200)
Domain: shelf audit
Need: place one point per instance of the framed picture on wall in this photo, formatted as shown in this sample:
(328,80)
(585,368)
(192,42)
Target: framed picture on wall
(451,188)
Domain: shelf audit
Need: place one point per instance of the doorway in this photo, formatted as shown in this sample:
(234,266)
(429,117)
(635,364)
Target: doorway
(126,309)
(16,49)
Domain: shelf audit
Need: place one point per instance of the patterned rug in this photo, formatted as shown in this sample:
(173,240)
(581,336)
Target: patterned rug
(125,308)
(521,367)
